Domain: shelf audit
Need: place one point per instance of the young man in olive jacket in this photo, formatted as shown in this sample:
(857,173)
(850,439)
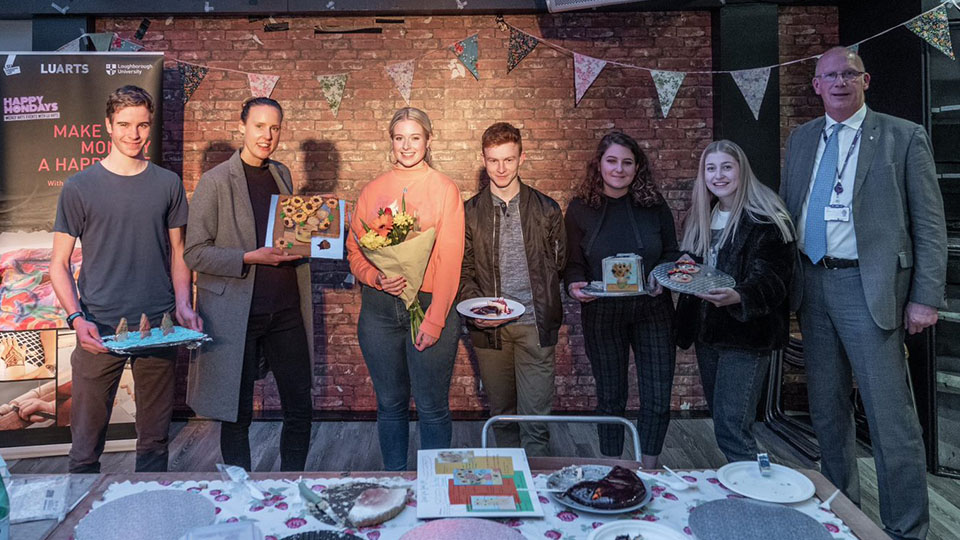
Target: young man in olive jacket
(515,248)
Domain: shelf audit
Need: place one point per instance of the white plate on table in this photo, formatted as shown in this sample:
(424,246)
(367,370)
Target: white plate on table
(783,485)
(463,308)
(631,528)
(564,478)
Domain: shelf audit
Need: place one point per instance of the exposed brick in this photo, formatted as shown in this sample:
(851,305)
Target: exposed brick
(341,154)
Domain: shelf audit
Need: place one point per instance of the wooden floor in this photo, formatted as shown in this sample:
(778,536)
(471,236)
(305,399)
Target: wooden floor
(353,446)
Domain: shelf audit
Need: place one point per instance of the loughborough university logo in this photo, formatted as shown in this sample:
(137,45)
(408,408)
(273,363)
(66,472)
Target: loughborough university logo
(111,69)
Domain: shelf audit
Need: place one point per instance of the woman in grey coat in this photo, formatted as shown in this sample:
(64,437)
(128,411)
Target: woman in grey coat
(256,300)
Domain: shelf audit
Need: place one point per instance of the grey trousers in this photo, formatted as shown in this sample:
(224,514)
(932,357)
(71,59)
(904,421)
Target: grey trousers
(840,340)
(518,379)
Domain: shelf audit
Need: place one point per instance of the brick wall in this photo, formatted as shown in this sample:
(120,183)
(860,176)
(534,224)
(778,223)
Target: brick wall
(803,32)
(341,154)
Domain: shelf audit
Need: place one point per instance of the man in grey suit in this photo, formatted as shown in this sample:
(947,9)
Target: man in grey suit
(862,189)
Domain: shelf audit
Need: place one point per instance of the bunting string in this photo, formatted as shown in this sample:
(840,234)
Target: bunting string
(931,26)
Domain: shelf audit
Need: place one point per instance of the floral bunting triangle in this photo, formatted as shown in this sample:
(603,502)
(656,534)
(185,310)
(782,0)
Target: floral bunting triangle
(333,86)
(101,41)
(521,45)
(71,46)
(468,51)
(120,44)
(753,85)
(934,28)
(262,85)
(668,83)
(402,75)
(585,71)
(190,77)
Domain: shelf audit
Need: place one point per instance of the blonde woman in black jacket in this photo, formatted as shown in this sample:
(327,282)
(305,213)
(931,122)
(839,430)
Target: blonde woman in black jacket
(741,227)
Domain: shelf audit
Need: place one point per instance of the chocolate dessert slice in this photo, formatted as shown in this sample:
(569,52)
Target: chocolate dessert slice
(620,488)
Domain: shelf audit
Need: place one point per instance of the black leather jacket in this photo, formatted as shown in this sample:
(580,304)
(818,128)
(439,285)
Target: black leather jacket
(545,245)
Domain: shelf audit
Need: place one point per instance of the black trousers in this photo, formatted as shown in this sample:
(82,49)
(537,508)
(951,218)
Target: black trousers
(283,341)
(613,326)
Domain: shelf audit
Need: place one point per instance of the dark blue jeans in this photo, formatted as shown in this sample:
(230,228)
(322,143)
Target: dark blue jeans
(732,381)
(397,367)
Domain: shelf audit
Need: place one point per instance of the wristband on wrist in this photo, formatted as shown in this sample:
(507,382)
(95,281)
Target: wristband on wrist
(73,317)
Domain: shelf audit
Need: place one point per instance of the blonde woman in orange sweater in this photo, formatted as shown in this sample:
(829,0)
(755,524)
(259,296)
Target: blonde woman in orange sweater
(396,364)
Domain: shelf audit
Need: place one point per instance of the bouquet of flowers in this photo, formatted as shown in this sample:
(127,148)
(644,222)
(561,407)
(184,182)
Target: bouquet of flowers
(393,243)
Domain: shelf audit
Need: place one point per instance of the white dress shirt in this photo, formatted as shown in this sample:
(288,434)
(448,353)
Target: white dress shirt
(841,237)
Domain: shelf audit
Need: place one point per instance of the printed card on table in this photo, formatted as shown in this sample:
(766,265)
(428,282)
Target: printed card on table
(307,224)
(494,482)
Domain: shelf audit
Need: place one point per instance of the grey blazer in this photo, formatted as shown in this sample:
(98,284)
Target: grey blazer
(897,213)
(219,230)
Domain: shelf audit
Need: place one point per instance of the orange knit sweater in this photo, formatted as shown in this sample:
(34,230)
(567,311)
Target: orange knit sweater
(436,201)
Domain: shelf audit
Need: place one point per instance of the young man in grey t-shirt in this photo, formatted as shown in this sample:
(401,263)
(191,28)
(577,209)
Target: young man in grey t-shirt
(129,215)
(514,247)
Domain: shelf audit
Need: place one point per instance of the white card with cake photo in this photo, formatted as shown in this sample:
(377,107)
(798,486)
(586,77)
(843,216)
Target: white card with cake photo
(622,276)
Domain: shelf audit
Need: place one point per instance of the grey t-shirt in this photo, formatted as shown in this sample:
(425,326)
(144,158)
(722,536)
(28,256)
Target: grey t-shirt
(514,272)
(123,225)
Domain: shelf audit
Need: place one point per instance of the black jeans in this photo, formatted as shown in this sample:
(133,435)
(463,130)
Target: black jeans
(283,340)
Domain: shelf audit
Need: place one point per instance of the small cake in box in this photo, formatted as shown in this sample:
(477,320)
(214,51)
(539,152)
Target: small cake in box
(623,272)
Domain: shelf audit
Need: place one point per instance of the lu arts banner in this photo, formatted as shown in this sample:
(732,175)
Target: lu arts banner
(52,126)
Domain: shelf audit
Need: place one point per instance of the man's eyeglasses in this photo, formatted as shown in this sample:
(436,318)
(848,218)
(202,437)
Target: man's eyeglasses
(847,75)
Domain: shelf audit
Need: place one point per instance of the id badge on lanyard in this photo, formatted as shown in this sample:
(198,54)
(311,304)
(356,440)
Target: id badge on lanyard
(840,212)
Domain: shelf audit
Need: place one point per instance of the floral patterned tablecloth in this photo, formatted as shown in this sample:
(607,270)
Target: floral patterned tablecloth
(281,513)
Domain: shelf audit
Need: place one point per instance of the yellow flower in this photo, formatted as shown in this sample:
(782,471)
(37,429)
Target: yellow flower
(372,240)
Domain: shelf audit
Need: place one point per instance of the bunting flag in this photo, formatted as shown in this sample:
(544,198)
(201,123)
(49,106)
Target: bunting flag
(333,86)
(102,40)
(262,85)
(521,45)
(71,46)
(855,48)
(934,28)
(120,44)
(668,83)
(753,85)
(402,75)
(467,51)
(190,77)
(585,71)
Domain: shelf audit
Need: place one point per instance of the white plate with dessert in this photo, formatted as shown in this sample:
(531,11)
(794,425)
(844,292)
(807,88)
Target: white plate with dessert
(598,289)
(490,308)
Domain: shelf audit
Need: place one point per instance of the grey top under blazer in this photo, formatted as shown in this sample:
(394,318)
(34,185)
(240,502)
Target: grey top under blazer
(220,230)
(897,212)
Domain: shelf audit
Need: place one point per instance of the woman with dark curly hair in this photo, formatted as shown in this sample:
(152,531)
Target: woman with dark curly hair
(618,209)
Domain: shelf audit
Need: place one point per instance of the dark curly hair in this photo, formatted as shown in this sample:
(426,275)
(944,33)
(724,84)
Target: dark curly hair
(643,190)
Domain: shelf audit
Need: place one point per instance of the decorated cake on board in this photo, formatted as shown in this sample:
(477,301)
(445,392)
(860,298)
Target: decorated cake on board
(299,218)
(168,335)
(623,272)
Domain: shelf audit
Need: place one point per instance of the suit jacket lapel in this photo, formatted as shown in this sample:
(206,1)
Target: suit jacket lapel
(805,162)
(242,207)
(869,140)
(282,184)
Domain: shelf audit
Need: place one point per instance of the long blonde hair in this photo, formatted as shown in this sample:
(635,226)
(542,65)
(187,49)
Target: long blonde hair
(418,116)
(761,203)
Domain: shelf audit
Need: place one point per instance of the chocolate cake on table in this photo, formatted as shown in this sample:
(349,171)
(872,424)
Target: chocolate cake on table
(620,488)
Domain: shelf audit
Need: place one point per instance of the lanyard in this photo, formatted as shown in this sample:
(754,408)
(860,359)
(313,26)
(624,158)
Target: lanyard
(838,187)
